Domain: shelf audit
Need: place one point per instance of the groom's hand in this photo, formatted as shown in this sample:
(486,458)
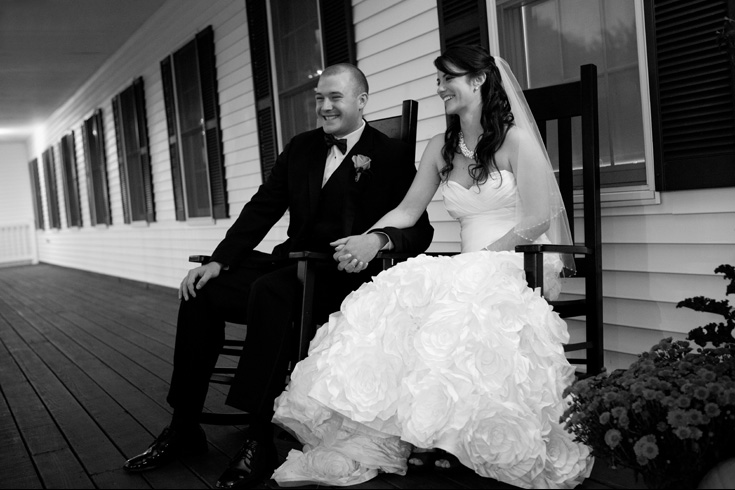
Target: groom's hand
(197,278)
(355,252)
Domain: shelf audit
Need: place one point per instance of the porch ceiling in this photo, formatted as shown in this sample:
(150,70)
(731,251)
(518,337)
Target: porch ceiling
(49,48)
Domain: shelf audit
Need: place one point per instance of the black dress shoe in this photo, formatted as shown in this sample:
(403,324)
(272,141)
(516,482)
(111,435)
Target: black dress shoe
(167,447)
(253,463)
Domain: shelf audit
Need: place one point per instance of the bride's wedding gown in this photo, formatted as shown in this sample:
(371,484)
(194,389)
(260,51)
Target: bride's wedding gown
(440,352)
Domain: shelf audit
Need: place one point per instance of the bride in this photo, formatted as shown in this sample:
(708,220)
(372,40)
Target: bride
(454,353)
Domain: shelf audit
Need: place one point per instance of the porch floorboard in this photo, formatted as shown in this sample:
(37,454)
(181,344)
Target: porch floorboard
(85,361)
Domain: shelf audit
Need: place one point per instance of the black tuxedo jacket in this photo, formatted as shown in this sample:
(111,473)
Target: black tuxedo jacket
(295,185)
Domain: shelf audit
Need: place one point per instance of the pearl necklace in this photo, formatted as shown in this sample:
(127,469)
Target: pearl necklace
(463,147)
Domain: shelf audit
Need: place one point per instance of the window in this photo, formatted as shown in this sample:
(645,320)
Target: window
(667,96)
(71,181)
(133,155)
(298,56)
(195,140)
(38,200)
(462,22)
(546,42)
(52,198)
(94,154)
(304,37)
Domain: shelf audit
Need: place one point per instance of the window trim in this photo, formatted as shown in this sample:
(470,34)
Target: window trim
(630,195)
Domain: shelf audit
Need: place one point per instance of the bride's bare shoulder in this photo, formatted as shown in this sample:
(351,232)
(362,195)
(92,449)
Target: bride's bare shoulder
(437,141)
(515,135)
(433,151)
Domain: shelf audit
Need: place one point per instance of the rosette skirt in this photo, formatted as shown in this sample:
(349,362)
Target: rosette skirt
(454,353)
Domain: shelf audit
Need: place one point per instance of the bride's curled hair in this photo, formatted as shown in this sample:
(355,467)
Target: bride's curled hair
(496,116)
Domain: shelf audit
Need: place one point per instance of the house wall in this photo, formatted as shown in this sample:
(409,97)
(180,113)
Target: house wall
(653,255)
(17,243)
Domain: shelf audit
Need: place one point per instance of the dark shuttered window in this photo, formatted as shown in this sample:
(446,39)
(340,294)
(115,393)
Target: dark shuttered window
(691,93)
(133,154)
(295,73)
(195,140)
(52,197)
(37,194)
(94,154)
(71,180)
(338,38)
(263,85)
(462,22)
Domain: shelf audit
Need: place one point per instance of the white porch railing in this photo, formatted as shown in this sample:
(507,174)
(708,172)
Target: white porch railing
(17,244)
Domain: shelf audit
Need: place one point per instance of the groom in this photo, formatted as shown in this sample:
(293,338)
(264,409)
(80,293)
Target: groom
(335,181)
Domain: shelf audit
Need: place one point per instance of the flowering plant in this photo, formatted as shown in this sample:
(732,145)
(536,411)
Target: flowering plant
(671,415)
(362,164)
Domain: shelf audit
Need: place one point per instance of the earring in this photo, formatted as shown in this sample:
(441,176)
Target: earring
(474,89)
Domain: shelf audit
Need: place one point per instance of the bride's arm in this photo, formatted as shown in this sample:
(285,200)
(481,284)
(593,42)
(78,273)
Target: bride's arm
(528,164)
(422,189)
(363,248)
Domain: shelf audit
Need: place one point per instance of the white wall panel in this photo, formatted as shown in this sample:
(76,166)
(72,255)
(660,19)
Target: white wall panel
(16,197)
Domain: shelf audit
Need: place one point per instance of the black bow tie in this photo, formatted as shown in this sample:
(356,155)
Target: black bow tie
(341,143)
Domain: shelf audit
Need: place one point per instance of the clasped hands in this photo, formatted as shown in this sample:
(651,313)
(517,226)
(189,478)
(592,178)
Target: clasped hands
(353,253)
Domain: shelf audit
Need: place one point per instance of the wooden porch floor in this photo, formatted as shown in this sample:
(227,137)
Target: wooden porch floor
(85,361)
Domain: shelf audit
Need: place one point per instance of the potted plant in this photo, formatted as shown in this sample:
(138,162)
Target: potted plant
(671,415)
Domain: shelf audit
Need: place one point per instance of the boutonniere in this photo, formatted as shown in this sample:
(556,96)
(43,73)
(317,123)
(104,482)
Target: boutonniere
(362,164)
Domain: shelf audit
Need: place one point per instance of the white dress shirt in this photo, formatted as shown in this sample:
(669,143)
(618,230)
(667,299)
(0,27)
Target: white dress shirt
(335,157)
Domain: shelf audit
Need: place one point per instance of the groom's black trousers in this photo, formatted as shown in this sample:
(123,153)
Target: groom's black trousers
(264,293)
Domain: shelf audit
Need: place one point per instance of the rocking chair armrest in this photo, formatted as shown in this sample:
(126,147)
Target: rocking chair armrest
(551,248)
(388,258)
(308,255)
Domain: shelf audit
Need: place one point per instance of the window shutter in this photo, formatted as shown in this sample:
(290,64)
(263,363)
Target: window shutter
(261,66)
(121,160)
(36,183)
(462,22)
(692,95)
(52,199)
(94,151)
(173,137)
(338,40)
(141,121)
(71,180)
(213,134)
(88,167)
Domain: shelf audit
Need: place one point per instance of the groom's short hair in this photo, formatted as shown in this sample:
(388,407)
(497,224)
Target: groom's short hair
(358,77)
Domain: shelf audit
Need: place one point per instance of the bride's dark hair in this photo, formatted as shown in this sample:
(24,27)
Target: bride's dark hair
(496,116)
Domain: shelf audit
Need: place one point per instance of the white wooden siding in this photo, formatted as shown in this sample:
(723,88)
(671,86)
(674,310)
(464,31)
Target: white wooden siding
(653,255)
(16,196)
